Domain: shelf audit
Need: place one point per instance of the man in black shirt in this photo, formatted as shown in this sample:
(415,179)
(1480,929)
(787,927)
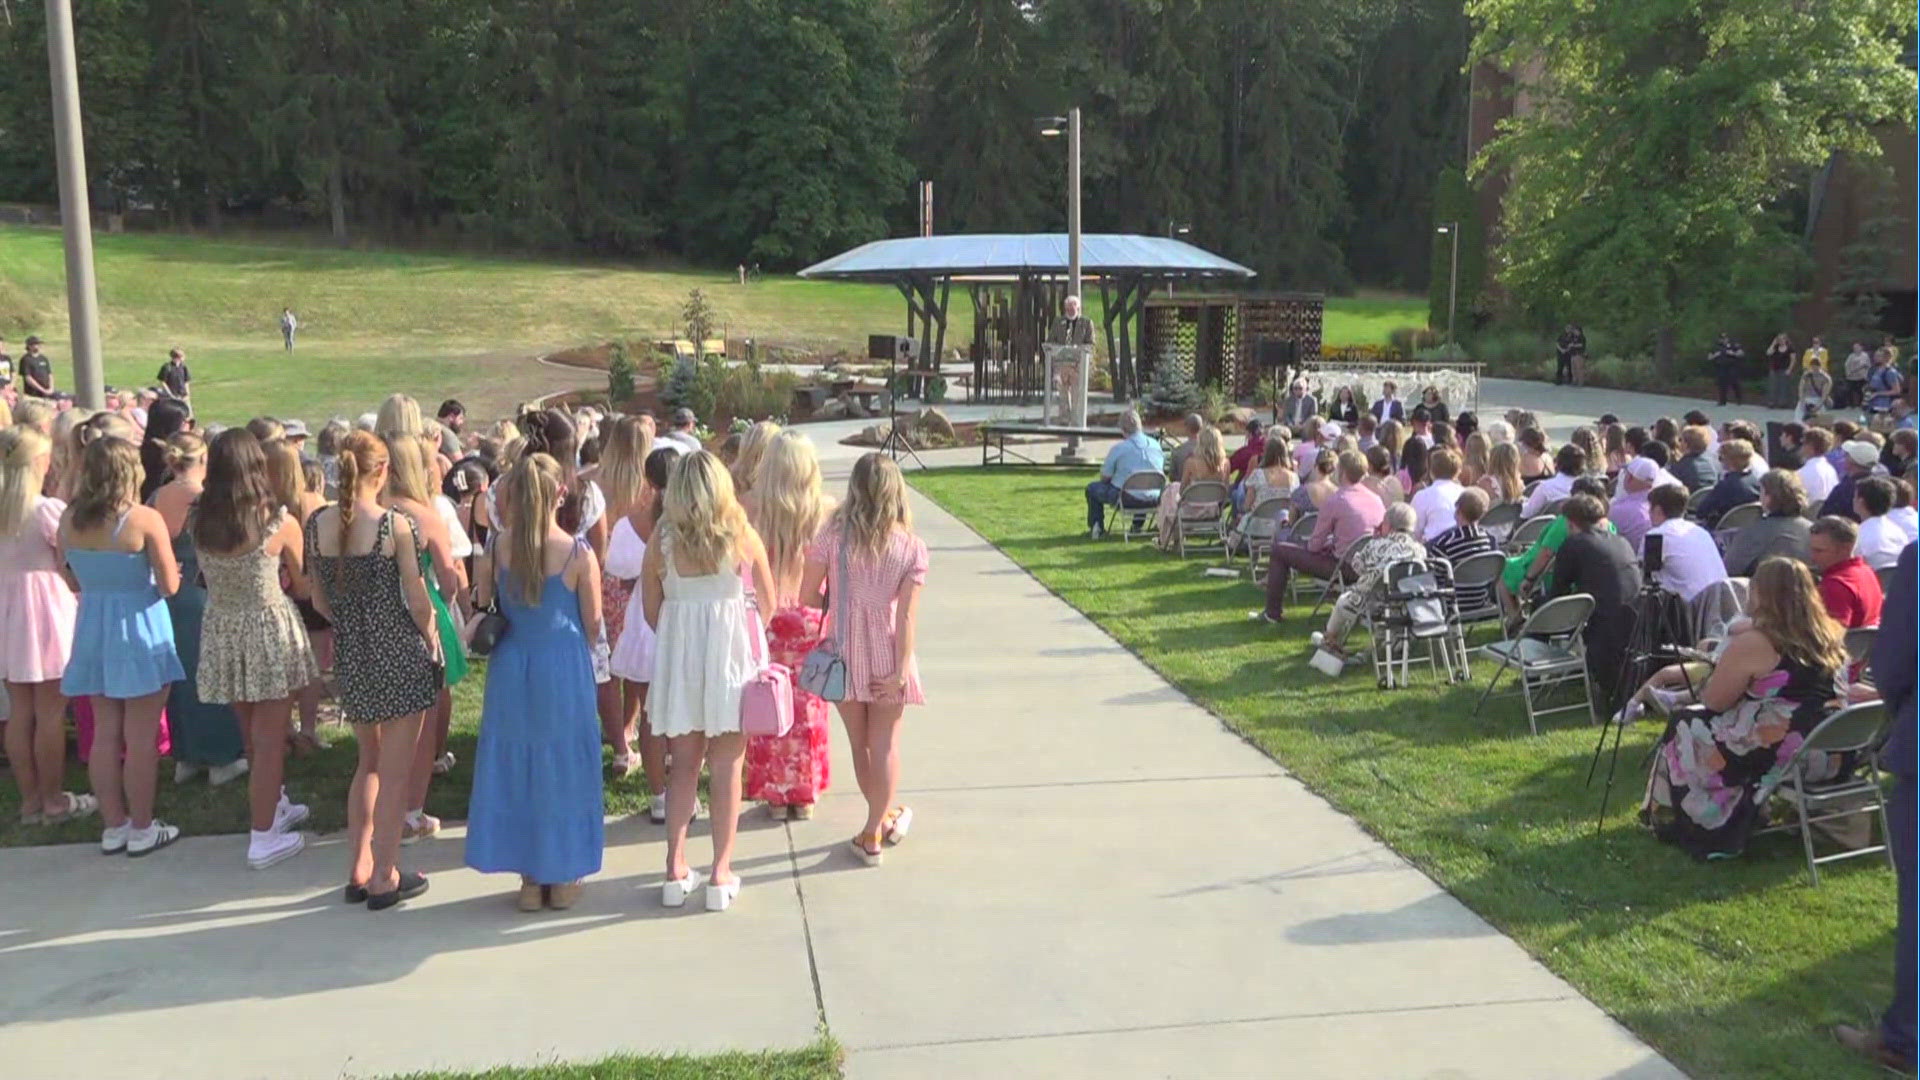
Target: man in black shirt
(1573,342)
(175,376)
(1728,358)
(1599,562)
(36,371)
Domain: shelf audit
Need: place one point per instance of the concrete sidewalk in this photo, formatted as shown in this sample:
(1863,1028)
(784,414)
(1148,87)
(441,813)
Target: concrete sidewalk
(1102,881)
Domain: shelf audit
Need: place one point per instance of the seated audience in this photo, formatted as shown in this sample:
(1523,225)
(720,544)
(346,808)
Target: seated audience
(1433,504)
(1881,538)
(1309,446)
(1771,686)
(1858,460)
(1502,481)
(1817,474)
(1436,408)
(1690,560)
(1207,462)
(1364,432)
(1848,587)
(1271,477)
(1177,461)
(1569,463)
(1694,468)
(1474,451)
(1298,406)
(1593,559)
(1135,452)
(1346,408)
(1737,484)
(1536,460)
(1351,513)
(1782,528)
(1319,485)
(1249,453)
(1534,565)
(1465,539)
(1381,479)
(1628,511)
(1394,542)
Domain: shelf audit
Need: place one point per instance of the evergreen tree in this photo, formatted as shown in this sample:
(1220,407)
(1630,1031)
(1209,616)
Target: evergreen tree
(974,102)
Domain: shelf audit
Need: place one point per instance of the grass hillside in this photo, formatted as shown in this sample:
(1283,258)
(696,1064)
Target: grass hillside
(435,326)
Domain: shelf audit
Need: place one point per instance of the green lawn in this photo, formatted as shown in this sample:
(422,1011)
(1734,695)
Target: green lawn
(432,325)
(820,1061)
(1732,969)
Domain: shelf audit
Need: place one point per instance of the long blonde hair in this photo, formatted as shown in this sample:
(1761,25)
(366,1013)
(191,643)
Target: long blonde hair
(1503,465)
(67,449)
(876,504)
(703,518)
(534,498)
(34,413)
(399,415)
(1211,451)
(1478,449)
(623,463)
(1786,607)
(20,447)
(109,482)
(407,469)
(753,446)
(789,505)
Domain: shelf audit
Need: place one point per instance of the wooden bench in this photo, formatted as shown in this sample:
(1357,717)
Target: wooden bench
(993,438)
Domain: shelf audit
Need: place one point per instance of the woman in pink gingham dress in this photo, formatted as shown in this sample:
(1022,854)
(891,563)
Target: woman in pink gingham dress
(871,610)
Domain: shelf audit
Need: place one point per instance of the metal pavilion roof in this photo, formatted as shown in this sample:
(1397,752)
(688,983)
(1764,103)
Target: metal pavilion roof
(1012,254)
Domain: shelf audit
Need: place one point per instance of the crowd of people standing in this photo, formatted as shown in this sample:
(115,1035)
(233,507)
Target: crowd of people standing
(197,592)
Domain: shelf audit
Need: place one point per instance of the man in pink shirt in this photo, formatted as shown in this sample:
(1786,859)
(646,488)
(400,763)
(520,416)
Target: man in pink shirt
(1353,511)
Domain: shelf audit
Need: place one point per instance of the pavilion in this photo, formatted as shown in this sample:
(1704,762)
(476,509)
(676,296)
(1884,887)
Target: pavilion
(1017,283)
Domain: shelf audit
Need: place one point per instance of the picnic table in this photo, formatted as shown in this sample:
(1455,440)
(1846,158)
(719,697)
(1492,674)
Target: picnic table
(994,433)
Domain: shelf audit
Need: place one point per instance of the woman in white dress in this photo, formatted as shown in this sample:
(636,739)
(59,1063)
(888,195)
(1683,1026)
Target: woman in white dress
(707,648)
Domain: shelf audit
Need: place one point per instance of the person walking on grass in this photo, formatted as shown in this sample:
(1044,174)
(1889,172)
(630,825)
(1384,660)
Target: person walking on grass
(38,610)
(537,801)
(288,327)
(175,377)
(365,564)
(254,653)
(120,560)
(873,568)
(693,587)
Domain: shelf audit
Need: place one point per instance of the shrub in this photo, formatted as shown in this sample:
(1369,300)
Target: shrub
(700,318)
(936,390)
(1409,340)
(1214,402)
(620,374)
(1622,372)
(1171,392)
(747,392)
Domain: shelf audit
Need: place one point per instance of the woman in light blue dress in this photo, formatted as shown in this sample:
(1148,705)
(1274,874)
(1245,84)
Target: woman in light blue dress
(537,803)
(120,560)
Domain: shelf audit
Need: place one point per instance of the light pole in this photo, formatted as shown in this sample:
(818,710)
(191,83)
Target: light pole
(1452,229)
(76,217)
(1175,229)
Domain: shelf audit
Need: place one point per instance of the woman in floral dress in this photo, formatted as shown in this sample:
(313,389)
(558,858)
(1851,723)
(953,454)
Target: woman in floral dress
(621,476)
(789,772)
(1779,677)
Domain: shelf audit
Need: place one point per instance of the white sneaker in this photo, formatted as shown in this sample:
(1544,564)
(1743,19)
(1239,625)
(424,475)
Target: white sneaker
(721,897)
(264,849)
(184,771)
(113,840)
(1317,637)
(674,893)
(443,764)
(1629,712)
(657,809)
(150,839)
(232,770)
(1669,701)
(288,814)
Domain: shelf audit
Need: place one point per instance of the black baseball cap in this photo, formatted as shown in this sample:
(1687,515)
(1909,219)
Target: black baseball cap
(33,339)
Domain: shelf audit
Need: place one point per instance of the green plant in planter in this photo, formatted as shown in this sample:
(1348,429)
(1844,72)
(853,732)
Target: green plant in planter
(1214,402)
(936,390)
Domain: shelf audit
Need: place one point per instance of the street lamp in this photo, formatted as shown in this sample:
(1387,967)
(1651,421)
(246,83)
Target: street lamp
(1175,229)
(1452,229)
(76,217)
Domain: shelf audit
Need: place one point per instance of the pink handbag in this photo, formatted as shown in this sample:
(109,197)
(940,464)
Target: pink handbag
(766,702)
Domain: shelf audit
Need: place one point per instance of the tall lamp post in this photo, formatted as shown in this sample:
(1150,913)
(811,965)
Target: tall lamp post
(76,217)
(1175,229)
(1452,229)
(1050,127)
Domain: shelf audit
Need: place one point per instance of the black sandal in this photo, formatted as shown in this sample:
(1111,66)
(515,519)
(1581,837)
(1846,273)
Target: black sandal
(411,885)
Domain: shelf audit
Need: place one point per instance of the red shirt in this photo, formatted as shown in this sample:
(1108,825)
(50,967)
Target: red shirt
(1851,593)
(1246,458)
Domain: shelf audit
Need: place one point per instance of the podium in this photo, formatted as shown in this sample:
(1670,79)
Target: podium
(1065,403)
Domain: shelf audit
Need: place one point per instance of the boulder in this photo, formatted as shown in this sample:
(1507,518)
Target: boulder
(831,409)
(934,424)
(854,410)
(1239,415)
(875,434)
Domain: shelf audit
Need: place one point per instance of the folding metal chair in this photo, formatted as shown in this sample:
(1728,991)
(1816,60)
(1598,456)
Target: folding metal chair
(1547,653)
(1733,521)
(1299,533)
(1501,520)
(1257,528)
(1854,730)
(1695,500)
(1527,532)
(1885,574)
(1145,486)
(1475,599)
(1341,570)
(1201,514)
(1551,510)
(1860,641)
